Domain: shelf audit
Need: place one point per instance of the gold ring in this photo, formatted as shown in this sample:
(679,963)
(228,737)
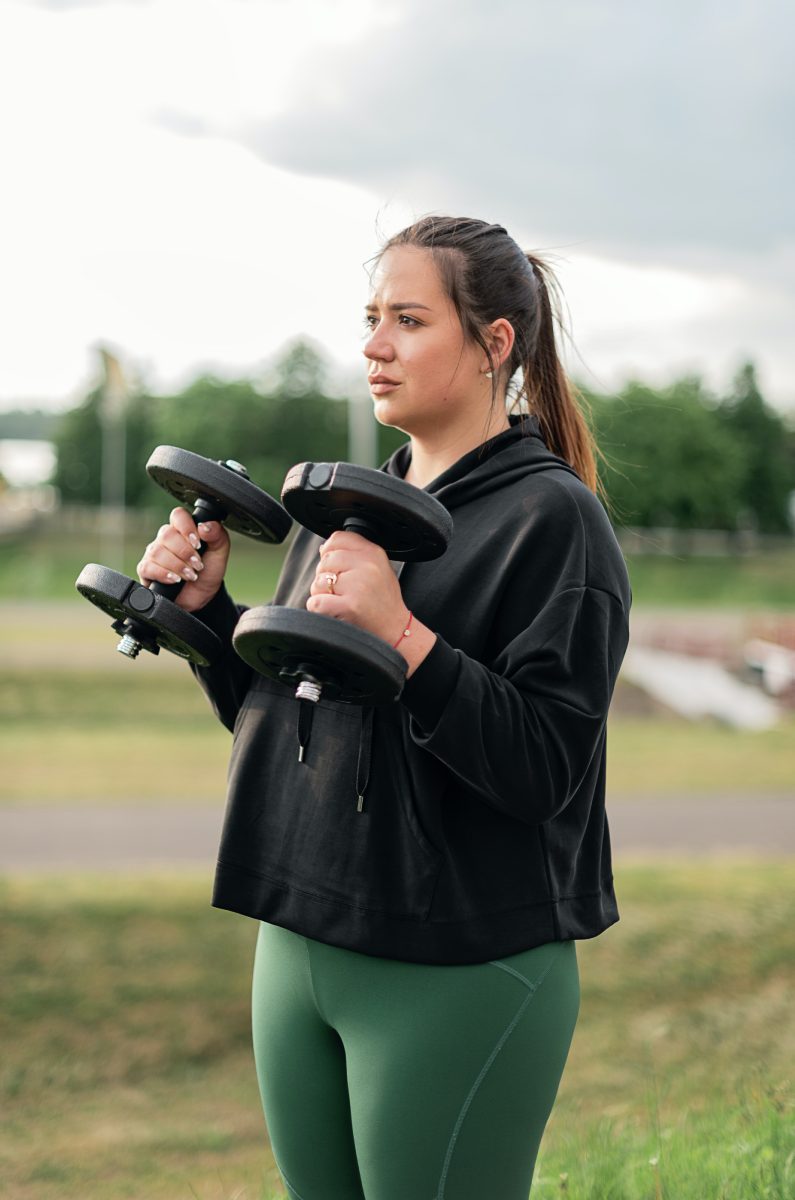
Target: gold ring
(331,579)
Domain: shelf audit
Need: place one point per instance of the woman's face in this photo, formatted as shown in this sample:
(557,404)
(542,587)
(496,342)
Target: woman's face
(423,373)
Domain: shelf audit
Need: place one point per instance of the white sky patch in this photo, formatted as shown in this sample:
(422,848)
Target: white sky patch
(646,322)
(126,217)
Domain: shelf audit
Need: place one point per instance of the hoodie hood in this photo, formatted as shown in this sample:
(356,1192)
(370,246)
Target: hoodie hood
(497,463)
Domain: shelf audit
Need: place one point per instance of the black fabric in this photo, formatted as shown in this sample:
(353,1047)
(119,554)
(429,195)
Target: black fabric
(483,829)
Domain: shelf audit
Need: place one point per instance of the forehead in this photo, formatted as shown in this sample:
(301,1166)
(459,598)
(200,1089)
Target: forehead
(407,273)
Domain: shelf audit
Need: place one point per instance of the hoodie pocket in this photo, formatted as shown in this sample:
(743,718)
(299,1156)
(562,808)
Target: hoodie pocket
(298,823)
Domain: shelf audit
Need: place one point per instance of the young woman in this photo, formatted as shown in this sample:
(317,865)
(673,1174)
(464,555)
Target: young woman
(422,876)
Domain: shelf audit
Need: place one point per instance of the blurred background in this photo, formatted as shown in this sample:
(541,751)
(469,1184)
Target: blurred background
(192,191)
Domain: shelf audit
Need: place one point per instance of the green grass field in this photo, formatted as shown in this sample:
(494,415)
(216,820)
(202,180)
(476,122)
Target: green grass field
(127,1069)
(78,722)
(44,566)
(144,732)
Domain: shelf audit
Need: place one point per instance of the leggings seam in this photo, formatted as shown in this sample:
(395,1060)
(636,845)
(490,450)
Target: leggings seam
(295,1191)
(532,988)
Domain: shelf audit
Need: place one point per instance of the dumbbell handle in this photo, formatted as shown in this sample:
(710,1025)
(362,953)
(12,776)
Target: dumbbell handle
(203,510)
(362,526)
(133,631)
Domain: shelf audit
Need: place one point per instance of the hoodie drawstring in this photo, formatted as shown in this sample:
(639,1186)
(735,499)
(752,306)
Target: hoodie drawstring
(365,752)
(306,710)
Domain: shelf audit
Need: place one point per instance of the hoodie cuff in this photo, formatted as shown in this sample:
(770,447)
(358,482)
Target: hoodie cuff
(221,614)
(426,693)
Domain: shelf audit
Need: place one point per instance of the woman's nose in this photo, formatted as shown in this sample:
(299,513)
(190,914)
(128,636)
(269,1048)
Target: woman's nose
(377,347)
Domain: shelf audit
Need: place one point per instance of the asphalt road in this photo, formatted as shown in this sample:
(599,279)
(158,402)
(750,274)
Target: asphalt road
(131,837)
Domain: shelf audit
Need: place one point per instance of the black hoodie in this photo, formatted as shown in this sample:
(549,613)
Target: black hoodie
(466,820)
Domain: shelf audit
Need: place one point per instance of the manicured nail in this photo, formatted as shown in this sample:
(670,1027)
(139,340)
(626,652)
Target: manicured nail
(196,562)
(205,528)
(190,574)
(194,541)
(172,578)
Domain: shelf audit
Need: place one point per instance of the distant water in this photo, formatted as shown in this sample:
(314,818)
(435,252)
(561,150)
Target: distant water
(25,462)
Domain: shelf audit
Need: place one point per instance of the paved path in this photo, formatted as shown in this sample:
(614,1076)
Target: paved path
(128,837)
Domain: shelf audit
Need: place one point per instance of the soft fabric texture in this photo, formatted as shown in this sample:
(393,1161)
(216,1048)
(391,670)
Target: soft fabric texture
(482,830)
(393,1080)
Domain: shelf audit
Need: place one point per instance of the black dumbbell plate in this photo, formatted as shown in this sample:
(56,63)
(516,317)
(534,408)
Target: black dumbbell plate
(410,524)
(354,666)
(191,477)
(172,628)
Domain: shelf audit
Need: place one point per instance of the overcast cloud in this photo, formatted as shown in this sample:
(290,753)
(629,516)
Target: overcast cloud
(636,129)
(196,181)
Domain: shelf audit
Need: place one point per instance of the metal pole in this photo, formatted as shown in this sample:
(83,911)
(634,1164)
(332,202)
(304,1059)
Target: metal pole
(113,478)
(362,430)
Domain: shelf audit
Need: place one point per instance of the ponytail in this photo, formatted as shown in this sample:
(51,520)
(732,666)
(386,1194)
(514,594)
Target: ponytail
(549,392)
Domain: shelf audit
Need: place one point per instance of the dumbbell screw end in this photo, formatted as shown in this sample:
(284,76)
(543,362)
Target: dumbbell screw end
(129,646)
(308,690)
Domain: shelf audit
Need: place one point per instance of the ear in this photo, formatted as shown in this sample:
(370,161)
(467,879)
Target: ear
(500,337)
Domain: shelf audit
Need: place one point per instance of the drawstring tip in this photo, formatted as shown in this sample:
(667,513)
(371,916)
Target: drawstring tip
(300,754)
(360,804)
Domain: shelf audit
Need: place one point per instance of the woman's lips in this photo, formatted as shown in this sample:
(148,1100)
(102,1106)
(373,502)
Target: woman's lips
(379,387)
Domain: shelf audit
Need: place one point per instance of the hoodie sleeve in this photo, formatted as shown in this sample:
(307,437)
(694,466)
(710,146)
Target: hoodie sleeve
(227,680)
(523,733)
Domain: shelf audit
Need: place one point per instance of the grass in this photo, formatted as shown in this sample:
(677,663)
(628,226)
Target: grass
(667,756)
(144,732)
(109,736)
(762,580)
(44,565)
(127,1067)
(78,722)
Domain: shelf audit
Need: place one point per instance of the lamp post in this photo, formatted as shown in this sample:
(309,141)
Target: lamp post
(362,429)
(113,404)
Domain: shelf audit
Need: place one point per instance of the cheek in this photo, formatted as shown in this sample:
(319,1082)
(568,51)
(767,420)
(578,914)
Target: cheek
(433,367)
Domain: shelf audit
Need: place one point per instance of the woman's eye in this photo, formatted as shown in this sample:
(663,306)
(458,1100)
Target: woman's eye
(406,320)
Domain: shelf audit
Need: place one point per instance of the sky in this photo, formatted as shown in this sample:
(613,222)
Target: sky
(194,183)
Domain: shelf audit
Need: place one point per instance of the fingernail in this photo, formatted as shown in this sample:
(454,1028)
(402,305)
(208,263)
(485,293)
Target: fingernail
(196,562)
(205,528)
(190,574)
(194,540)
(172,578)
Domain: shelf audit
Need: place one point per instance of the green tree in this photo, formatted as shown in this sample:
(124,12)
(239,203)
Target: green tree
(671,461)
(768,475)
(268,431)
(78,449)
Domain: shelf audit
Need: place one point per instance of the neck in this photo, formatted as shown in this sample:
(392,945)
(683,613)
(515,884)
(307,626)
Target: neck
(432,454)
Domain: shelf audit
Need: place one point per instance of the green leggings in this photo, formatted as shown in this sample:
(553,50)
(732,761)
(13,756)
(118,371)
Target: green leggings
(386,1080)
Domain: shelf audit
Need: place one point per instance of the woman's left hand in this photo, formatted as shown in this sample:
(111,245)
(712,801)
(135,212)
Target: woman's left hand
(366,591)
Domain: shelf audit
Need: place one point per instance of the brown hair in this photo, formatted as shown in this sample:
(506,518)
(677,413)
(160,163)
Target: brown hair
(487,276)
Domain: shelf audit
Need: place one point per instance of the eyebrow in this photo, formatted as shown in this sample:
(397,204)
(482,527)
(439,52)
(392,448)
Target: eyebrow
(399,306)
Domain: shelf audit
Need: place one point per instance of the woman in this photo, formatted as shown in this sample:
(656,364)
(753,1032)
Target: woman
(421,873)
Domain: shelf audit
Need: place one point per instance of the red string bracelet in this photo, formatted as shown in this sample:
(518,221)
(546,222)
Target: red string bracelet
(405,632)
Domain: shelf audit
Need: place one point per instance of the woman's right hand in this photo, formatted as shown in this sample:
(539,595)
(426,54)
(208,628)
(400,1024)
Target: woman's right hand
(173,558)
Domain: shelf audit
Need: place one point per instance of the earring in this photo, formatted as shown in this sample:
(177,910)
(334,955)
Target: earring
(488,374)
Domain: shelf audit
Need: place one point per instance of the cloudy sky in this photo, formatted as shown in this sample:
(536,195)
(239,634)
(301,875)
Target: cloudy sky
(194,182)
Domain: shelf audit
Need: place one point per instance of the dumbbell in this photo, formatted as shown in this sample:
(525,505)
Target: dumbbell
(145,616)
(323,655)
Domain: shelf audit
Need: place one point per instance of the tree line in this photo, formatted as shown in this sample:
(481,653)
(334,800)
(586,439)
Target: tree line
(676,456)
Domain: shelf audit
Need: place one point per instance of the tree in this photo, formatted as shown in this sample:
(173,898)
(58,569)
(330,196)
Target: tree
(768,474)
(78,448)
(671,462)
